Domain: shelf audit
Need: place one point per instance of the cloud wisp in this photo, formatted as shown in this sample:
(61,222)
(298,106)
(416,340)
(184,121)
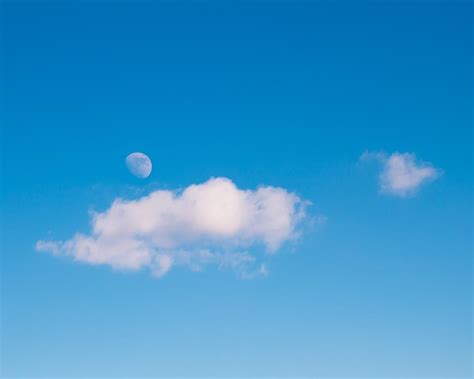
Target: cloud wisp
(401,173)
(213,223)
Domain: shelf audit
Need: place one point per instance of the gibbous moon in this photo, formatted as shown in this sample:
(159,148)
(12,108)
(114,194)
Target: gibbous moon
(139,165)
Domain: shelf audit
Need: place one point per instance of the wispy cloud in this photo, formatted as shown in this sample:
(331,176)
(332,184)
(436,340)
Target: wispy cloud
(213,223)
(401,173)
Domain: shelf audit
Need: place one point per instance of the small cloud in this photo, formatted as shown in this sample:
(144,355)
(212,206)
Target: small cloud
(48,246)
(205,224)
(402,174)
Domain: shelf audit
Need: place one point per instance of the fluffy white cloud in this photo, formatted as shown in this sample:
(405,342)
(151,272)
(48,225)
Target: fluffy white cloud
(401,173)
(209,223)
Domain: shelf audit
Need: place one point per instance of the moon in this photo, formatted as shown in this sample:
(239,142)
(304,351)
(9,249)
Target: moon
(139,165)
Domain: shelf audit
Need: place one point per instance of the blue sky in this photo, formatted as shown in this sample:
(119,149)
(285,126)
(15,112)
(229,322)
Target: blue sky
(376,278)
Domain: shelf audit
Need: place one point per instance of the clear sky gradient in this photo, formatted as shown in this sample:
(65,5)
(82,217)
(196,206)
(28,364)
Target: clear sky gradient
(287,94)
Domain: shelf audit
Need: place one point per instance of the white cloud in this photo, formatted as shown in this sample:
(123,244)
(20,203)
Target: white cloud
(49,246)
(209,223)
(402,174)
